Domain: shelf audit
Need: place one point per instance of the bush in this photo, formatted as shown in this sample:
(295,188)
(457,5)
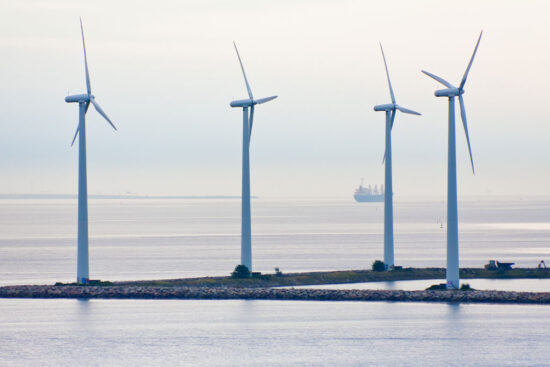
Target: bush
(437,287)
(465,287)
(278,272)
(241,271)
(378,266)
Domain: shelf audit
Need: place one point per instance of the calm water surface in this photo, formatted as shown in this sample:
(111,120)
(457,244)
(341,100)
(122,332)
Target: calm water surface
(148,239)
(270,333)
(152,239)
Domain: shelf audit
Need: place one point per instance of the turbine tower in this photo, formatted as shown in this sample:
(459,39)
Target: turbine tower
(390,109)
(83,100)
(246,236)
(452,207)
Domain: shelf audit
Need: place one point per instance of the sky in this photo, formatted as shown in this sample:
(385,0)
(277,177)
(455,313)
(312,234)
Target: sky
(165,72)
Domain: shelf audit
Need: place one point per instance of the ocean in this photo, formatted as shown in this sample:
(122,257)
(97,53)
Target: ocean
(171,238)
(270,333)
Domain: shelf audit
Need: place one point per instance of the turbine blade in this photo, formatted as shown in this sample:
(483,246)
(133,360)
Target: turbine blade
(406,110)
(250,122)
(98,109)
(75,135)
(463,116)
(470,64)
(387,74)
(441,80)
(244,74)
(88,86)
(264,100)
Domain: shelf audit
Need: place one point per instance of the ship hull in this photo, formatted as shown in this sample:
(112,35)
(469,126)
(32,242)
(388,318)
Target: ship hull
(362,198)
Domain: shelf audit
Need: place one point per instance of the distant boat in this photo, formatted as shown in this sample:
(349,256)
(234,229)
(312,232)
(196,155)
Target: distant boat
(364,194)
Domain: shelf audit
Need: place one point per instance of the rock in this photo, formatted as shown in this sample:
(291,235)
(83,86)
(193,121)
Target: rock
(178,292)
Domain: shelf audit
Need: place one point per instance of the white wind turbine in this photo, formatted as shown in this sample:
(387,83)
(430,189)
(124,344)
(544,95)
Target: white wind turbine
(246,236)
(390,109)
(452,207)
(83,100)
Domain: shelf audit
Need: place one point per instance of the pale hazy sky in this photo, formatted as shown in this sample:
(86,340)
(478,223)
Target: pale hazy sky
(165,72)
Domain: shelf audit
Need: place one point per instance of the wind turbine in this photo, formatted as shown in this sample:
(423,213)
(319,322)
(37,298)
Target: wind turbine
(246,239)
(83,100)
(390,109)
(452,207)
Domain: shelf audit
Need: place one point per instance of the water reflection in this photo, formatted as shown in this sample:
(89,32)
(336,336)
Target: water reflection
(453,310)
(518,285)
(65,333)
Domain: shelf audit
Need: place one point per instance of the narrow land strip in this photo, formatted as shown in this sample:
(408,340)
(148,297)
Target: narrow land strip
(261,287)
(225,293)
(340,277)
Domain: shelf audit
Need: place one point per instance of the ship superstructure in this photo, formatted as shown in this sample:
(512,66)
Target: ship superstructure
(368,194)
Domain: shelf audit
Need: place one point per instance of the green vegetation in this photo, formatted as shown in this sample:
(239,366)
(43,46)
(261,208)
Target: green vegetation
(336,277)
(437,287)
(443,287)
(378,265)
(240,272)
(295,279)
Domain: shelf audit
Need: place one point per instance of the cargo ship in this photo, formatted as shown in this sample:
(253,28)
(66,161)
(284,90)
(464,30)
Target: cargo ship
(364,194)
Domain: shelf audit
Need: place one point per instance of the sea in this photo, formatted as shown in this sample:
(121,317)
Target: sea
(148,238)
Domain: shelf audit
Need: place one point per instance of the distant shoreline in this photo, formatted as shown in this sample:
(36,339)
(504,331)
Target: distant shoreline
(71,196)
(405,198)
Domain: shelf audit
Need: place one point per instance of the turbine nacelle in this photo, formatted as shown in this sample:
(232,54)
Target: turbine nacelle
(242,103)
(385,107)
(80,98)
(449,92)
(251,102)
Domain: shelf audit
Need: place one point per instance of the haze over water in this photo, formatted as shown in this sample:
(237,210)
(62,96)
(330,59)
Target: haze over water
(155,239)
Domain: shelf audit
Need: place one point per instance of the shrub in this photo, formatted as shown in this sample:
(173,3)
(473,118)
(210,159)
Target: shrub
(465,287)
(278,272)
(378,265)
(241,271)
(437,287)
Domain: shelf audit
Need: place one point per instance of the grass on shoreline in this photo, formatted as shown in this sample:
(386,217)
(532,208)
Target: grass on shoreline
(334,277)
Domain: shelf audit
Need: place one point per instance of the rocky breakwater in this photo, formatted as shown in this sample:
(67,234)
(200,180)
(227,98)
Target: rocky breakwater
(152,292)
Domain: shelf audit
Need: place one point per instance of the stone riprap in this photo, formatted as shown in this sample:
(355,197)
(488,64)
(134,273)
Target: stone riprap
(150,292)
